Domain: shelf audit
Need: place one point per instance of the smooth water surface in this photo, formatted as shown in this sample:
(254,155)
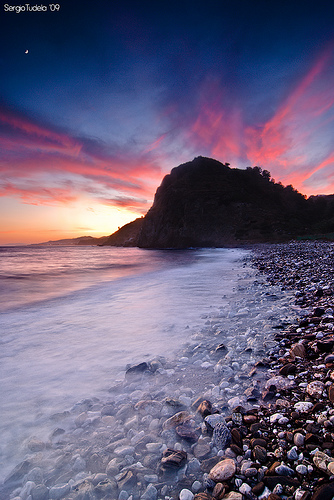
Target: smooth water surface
(72,318)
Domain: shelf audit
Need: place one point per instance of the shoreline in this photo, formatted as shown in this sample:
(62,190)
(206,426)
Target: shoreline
(152,432)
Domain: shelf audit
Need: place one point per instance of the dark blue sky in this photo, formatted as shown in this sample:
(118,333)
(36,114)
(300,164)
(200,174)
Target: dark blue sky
(111,95)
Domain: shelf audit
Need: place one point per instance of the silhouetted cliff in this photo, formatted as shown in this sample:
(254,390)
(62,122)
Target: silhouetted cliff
(205,203)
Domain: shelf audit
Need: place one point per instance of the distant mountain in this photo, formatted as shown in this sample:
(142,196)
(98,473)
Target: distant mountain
(205,203)
(81,240)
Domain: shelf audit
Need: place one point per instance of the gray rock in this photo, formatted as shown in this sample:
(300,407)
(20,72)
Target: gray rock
(151,493)
(292,454)
(221,436)
(40,492)
(26,490)
(59,491)
(284,470)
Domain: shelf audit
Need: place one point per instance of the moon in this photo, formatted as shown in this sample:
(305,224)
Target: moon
(26,52)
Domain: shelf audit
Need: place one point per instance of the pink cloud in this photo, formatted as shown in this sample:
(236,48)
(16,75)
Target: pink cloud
(33,153)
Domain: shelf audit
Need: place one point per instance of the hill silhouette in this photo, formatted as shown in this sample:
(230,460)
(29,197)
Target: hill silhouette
(205,203)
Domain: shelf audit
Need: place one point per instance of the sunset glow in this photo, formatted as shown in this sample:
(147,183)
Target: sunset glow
(86,136)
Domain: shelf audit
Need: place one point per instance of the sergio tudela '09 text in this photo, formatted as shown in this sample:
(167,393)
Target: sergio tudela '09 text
(27,7)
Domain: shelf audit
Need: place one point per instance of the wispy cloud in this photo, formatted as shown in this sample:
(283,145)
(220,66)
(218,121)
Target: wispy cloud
(38,159)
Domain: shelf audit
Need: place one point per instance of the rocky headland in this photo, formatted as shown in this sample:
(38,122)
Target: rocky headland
(204,203)
(247,413)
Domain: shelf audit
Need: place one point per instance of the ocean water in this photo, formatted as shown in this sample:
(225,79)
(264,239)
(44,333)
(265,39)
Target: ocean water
(73,318)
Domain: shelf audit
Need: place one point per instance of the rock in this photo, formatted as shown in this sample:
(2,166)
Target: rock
(205,408)
(16,475)
(275,417)
(245,488)
(301,469)
(212,420)
(59,491)
(150,493)
(124,450)
(321,461)
(284,470)
(331,393)
(233,495)
(35,445)
(221,436)
(106,487)
(279,382)
(298,350)
(186,495)
(202,449)
(299,439)
(26,490)
(175,420)
(315,389)
(136,370)
(126,480)
(196,486)
(260,454)
(303,406)
(287,369)
(173,458)
(292,454)
(223,471)
(187,433)
(218,490)
(203,496)
(40,492)
(84,490)
(324,492)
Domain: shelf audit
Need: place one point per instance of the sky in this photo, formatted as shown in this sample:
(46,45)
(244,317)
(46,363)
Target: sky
(100,99)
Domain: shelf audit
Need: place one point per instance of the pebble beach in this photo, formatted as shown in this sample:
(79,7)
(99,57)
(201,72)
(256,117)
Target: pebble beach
(254,421)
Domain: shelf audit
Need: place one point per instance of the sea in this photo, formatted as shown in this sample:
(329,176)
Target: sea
(73,318)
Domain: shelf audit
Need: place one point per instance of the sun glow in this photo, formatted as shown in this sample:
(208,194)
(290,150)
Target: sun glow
(25,224)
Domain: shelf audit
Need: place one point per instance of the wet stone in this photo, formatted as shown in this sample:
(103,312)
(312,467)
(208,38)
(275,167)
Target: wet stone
(221,436)
(223,471)
(173,458)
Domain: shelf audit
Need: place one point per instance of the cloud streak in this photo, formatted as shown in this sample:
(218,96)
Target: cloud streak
(44,164)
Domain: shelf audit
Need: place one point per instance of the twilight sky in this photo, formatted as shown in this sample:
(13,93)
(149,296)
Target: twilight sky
(100,99)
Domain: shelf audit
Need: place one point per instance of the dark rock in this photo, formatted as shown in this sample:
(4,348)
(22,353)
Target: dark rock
(237,450)
(272,481)
(137,369)
(273,496)
(324,492)
(205,408)
(260,454)
(16,475)
(317,407)
(258,442)
(288,369)
(203,496)
(186,432)
(126,480)
(326,346)
(258,488)
(220,348)
(126,236)
(173,458)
